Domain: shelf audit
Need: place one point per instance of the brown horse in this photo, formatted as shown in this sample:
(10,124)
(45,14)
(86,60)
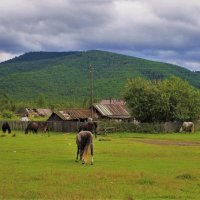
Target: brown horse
(6,127)
(32,126)
(89,126)
(84,141)
(44,127)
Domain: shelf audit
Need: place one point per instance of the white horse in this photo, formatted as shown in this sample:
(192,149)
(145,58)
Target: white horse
(187,126)
(24,119)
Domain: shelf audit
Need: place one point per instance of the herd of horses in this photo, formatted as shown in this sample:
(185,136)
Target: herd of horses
(84,138)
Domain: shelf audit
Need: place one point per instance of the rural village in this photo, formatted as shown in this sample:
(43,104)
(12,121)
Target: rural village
(99,100)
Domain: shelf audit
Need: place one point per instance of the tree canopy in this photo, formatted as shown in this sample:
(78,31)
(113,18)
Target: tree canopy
(171,99)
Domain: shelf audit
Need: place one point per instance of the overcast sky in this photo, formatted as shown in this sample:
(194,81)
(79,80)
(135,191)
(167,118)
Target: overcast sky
(163,30)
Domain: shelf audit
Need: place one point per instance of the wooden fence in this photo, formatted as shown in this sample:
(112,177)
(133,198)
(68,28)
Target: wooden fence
(106,126)
(57,126)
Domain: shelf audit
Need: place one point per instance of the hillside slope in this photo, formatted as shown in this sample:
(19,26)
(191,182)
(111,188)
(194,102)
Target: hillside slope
(65,75)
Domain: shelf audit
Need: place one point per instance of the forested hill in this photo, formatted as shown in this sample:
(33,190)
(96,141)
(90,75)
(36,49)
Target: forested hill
(65,75)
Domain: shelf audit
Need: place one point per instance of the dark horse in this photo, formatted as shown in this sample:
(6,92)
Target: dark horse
(44,127)
(6,127)
(32,126)
(89,126)
(84,141)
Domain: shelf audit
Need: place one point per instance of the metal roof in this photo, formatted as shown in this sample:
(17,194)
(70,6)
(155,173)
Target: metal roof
(113,111)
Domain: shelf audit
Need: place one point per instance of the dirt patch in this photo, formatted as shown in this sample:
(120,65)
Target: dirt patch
(168,142)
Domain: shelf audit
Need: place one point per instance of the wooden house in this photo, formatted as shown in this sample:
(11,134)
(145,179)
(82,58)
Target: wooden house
(70,115)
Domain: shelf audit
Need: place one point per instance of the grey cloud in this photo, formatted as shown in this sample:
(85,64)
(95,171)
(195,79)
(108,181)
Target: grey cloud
(161,30)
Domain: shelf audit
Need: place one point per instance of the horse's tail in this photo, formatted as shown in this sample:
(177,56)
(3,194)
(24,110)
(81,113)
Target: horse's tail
(87,148)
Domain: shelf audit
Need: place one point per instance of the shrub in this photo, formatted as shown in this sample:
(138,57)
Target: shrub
(7,114)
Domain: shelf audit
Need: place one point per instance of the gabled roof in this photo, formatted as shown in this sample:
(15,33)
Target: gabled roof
(44,111)
(71,114)
(39,111)
(113,111)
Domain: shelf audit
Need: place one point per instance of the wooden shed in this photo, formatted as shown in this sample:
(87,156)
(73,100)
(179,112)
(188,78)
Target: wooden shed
(70,115)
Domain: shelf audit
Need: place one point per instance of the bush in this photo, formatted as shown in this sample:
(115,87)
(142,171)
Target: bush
(7,114)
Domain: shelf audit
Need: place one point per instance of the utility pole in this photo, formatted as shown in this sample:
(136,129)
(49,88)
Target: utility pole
(91,89)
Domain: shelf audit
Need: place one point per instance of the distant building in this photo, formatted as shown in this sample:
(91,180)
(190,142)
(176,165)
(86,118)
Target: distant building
(111,111)
(38,112)
(70,115)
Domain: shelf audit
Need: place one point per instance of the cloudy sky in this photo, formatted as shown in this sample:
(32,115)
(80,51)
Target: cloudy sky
(163,30)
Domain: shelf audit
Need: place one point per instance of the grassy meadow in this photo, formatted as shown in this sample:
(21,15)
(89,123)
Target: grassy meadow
(125,166)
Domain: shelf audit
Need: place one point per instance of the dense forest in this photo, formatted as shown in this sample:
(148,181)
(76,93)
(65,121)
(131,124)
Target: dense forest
(64,76)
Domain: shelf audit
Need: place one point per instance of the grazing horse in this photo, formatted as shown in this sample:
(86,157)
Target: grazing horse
(89,126)
(24,119)
(32,126)
(84,141)
(6,127)
(187,126)
(44,127)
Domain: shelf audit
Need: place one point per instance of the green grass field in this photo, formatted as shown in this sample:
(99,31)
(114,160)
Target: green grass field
(125,167)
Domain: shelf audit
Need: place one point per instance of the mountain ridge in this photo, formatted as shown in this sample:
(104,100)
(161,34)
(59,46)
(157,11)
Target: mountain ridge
(65,75)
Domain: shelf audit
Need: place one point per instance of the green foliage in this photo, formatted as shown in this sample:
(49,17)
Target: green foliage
(168,100)
(41,101)
(64,77)
(7,103)
(183,100)
(7,114)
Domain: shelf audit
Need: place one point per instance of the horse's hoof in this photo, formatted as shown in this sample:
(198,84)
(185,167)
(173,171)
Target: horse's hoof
(92,163)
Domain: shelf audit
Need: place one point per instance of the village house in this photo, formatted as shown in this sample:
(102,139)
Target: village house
(111,111)
(37,112)
(80,115)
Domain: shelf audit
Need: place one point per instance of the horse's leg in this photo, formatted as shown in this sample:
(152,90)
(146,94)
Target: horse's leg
(81,155)
(92,159)
(77,153)
(42,131)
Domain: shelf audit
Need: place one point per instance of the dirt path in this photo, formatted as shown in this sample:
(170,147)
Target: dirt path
(168,142)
